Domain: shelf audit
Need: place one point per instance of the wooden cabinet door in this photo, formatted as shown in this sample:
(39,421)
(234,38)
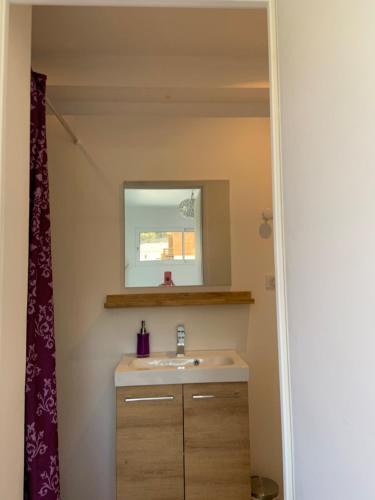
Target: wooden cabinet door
(150,443)
(216,435)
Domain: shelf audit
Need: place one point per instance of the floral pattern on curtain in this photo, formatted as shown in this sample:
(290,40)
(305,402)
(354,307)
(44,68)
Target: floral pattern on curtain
(41,442)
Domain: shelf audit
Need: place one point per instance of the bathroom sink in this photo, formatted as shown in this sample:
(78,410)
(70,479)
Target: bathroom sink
(193,367)
(181,362)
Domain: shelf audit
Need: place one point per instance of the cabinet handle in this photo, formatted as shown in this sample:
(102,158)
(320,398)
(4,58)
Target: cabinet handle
(212,396)
(151,398)
(204,396)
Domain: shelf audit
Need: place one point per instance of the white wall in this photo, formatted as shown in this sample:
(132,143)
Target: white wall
(328,141)
(86,210)
(14,254)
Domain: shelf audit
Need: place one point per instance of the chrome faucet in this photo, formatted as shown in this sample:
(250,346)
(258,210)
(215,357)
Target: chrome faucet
(180,340)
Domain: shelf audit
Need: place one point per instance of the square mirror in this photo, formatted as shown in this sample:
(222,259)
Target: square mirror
(163,234)
(176,233)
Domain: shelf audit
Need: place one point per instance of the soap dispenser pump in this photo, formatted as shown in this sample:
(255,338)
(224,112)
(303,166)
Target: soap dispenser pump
(143,342)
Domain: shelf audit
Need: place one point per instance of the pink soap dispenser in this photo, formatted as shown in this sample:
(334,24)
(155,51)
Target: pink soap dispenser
(143,342)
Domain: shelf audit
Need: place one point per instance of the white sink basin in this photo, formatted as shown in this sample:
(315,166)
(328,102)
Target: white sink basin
(188,361)
(194,367)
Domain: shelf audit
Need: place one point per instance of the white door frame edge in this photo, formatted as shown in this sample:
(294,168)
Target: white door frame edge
(277,184)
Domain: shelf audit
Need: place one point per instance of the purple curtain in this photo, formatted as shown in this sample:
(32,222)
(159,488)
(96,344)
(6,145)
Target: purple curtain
(41,446)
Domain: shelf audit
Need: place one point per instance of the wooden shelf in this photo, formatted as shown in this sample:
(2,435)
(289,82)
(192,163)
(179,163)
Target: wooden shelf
(177,299)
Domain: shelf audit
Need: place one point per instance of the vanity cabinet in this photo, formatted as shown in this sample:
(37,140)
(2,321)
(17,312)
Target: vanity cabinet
(149,441)
(183,442)
(216,436)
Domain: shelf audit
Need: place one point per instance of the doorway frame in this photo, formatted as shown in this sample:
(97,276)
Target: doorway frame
(277,183)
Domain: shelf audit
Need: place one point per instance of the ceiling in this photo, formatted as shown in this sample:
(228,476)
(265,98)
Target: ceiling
(157,197)
(150,31)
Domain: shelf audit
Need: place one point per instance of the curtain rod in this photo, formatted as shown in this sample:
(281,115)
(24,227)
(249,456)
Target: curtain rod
(75,139)
(63,122)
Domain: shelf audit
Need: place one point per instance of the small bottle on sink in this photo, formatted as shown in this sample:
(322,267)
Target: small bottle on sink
(143,342)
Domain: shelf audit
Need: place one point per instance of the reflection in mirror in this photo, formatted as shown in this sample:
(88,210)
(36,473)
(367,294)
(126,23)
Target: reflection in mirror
(163,236)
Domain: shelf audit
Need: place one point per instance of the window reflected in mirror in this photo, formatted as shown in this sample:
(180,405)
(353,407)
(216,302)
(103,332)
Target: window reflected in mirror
(156,246)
